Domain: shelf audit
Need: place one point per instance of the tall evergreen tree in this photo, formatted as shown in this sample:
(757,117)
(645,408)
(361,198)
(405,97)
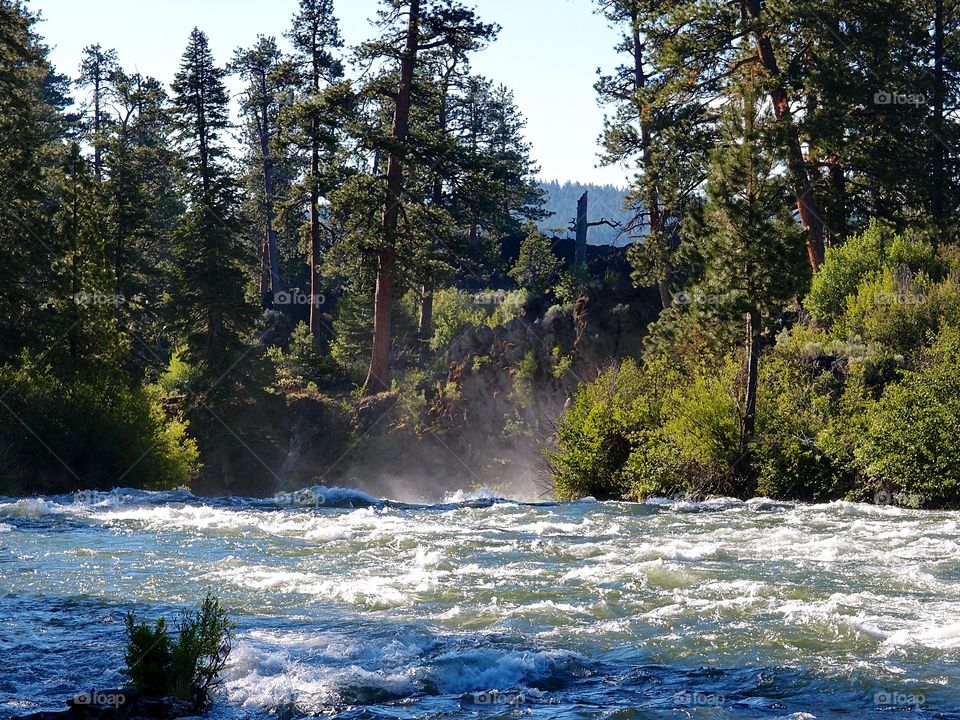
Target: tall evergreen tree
(97,69)
(269,81)
(428,26)
(210,312)
(32,127)
(315,37)
(751,246)
(143,206)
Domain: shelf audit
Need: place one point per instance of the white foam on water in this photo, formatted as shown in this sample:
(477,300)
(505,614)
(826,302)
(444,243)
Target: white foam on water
(4,528)
(462,496)
(370,591)
(30,508)
(263,679)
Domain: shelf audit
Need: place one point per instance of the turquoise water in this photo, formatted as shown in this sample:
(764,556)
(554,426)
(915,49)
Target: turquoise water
(350,607)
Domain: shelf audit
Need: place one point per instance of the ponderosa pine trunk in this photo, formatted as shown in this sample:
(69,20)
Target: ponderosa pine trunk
(654,212)
(378,375)
(752,358)
(803,189)
(268,189)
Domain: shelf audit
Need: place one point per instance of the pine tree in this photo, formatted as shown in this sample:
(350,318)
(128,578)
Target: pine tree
(269,79)
(430,25)
(210,313)
(97,71)
(142,207)
(751,245)
(315,37)
(32,126)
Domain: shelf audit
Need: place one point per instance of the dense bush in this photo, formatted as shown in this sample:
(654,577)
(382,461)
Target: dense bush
(636,431)
(454,310)
(188,667)
(862,258)
(911,444)
(696,446)
(92,432)
(301,363)
(796,399)
(600,430)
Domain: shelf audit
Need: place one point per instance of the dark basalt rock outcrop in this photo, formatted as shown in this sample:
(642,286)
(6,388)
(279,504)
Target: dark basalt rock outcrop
(119,704)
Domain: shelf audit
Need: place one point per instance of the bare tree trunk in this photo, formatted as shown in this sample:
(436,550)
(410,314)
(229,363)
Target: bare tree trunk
(752,358)
(581,225)
(378,376)
(803,190)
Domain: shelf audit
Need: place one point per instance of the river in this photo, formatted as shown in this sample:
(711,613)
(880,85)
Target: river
(350,607)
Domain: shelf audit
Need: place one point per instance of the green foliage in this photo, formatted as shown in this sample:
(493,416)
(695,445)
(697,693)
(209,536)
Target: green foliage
(302,364)
(912,439)
(509,307)
(149,655)
(561,363)
(453,311)
(180,377)
(94,432)
(411,400)
(795,408)
(694,448)
(572,284)
(528,367)
(210,313)
(597,434)
(864,257)
(537,266)
(900,313)
(188,667)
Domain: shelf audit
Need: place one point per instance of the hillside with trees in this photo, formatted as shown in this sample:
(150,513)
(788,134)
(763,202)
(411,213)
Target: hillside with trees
(374,272)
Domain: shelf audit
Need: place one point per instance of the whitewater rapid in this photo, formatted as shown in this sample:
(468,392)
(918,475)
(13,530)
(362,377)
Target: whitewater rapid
(350,606)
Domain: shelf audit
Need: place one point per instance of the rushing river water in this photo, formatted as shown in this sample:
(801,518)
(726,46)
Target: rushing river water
(354,608)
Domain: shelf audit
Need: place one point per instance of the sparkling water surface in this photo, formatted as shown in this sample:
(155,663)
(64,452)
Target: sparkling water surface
(351,607)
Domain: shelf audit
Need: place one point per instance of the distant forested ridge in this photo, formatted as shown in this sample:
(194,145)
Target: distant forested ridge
(606,202)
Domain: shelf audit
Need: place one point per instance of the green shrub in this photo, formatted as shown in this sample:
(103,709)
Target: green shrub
(696,446)
(149,657)
(861,258)
(794,408)
(188,667)
(528,367)
(572,283)
(180,377)
(93,432)
(537,267)
(597,433)
(911,443)
(453,311)
(509,307)
(302,365)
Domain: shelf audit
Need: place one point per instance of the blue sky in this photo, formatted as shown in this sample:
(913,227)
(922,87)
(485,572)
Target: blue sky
(547,53)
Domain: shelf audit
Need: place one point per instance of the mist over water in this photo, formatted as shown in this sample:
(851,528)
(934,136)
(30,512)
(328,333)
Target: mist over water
(479,607)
